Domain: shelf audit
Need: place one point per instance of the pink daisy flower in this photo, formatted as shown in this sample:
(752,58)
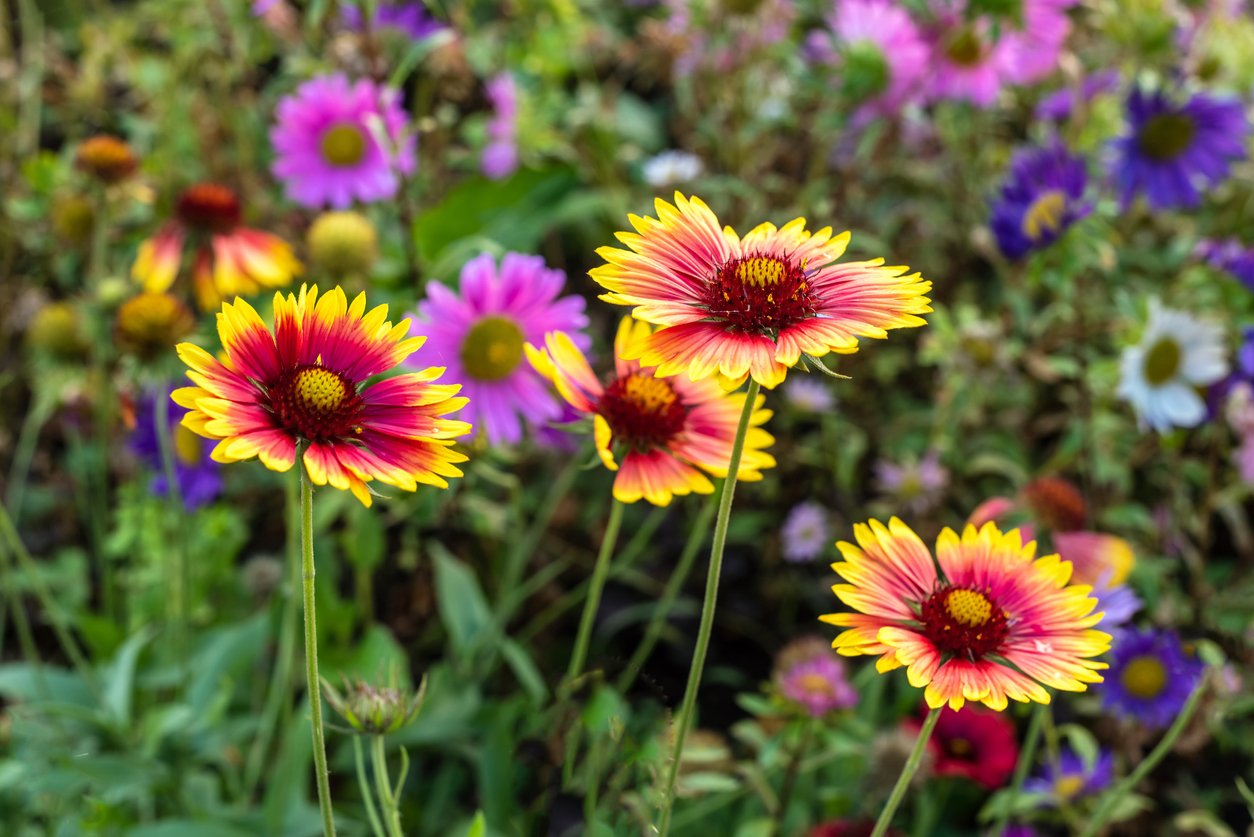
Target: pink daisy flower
(968,59)
(338,142)
(1031,53)
(880,45)
(479,336)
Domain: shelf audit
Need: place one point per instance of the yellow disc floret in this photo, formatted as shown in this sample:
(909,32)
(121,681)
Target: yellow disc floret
(969,607)
(320,389)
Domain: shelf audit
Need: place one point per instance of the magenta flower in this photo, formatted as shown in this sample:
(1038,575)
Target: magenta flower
(337,142)
(479,337)
(1031,53)
(500,155)
(882,53)
(968,59)
(818,684)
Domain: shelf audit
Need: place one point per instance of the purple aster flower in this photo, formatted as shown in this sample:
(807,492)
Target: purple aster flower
(916,485)
(410,19)
(1057,106)
(479,337)
(1042,197)
(1072,779)
(337,142)
(879,48)
(805,532)
(1150,676)
(818,684)
(1174,150)
(1230,256)
(199,477)
(260,7)
(500,155)
(1118,603)
(809,394)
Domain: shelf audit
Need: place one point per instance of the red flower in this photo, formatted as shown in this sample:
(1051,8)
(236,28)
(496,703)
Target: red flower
(976,743)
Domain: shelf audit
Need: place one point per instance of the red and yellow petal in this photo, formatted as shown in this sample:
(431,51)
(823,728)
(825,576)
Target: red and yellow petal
(656,476)
(157,262)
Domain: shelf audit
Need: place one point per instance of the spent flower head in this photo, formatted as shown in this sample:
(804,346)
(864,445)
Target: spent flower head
(375,710)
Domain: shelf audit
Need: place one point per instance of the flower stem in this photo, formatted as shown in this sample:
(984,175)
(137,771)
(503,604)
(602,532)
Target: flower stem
(907,773)
(1151,761)
(367,795)
(174,514)
(1026,756)
(684,721)
(671,592)
(311,647)
(599,573)
(790,774)
(387,799)
(580,655)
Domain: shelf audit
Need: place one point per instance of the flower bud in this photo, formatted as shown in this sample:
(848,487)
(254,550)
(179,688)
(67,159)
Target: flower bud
(149,324)
(73,219)
(374,710)
(106,158)
(57,332)
(342,243)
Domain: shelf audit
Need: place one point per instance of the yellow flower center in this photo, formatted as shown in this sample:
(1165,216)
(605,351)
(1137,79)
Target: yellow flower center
(1166,136)
(760,271)
(493,348)
(1044,216)
(1066,787)
(319,389)
(815,684)
(186,445)
(343,145)
(1144,677)
(968,607)
(650,395)
(1162,361)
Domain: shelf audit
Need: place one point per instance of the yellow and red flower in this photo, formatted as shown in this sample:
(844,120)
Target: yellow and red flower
(735,307)
(659,433)
(228,260)
(984,621)
(307,383)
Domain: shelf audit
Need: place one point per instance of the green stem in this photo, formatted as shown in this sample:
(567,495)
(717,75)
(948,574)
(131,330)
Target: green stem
(696,536)
(790,775)
(68,644)
(367,795)
(582,639)
(907,773)
(684,721)
(599,573)
(387,799)
(1027,756)
(21,620)
(1103,812)
(1053,756)
(278,696)
(24,452)
(311,647)
(174,504)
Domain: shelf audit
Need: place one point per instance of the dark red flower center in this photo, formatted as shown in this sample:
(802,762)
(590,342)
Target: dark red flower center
(760,294)
(642,411)
(964,622)
(209,207)
(317,403)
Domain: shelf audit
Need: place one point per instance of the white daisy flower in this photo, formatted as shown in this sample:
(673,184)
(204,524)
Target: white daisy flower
(1161,376)
(672,168)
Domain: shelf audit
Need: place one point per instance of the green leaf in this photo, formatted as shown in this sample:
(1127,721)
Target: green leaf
(478,826)
(364,539)
(187,828)
(1082,742)
(515,212)
(524,668)
(119,682)
(26,683)
(375,659)
(463,607)
(229,648)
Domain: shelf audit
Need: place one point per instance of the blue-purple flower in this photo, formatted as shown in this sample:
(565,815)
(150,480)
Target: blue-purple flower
(806,532)
(409,19)
(1072,779)
(1059,105)
(199,477)
(1150,677)
(1230,256)
(500,155)
(1174,150)
(1043,196)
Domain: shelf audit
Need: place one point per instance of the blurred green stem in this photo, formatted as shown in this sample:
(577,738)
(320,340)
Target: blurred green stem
(1111,799)
(790,774)
(599,573)
(387,794)
(1027,755)
(367,795)
(311,645)
(174,530)
(30,82)
(696,536)
(68,644)
(684,721)
(907,773)
(278,697)
(28,439)
(1053,754)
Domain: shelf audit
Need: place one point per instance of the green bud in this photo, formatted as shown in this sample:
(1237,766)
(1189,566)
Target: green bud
(375,710)
(342,244)
(57,331)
